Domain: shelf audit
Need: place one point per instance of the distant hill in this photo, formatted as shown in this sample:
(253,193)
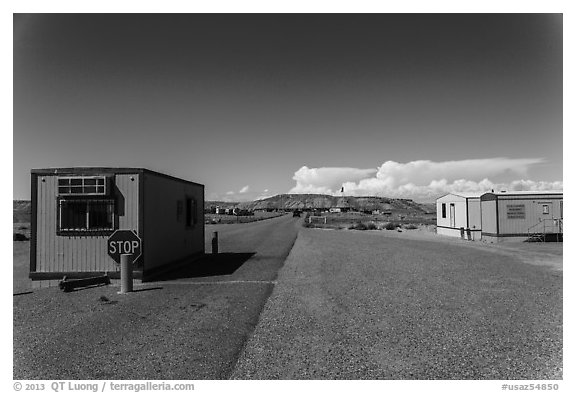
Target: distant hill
(21,208)
(213,204)
(21,211)
(311,201)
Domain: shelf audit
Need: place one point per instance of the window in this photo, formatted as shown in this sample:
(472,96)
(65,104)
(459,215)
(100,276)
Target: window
(561,209)
(191,215)
(82,185)
(545,209)
(76,216)
(443,210)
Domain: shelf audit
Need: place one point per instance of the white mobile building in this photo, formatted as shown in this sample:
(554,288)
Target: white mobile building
(522,215)
(458,215)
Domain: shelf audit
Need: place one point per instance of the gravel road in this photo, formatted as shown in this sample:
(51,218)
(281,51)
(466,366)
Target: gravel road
(190,325)
(352,305)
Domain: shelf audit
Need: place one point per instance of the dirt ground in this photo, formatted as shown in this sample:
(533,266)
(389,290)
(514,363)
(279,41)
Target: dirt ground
(536,253)
(346,305)
(21,267)
(409,305)
(189,324)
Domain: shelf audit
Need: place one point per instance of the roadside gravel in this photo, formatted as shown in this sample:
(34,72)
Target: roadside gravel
(351,305)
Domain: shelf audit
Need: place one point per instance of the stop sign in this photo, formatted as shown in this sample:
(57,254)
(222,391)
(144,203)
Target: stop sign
(125,242)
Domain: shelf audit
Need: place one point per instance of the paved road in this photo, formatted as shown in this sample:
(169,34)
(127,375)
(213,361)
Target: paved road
(352,305)
(190,325)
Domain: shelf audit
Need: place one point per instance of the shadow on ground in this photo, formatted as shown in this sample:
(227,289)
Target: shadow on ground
(209,265)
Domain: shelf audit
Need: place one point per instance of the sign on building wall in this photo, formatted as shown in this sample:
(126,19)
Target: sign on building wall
(516,211)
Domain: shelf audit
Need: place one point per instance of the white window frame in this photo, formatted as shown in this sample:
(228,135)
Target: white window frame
(82,186)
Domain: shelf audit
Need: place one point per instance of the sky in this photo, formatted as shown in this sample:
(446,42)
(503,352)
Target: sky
(252,105)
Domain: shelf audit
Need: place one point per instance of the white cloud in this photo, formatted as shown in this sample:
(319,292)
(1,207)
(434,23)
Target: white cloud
(244,190)
(325,180)
(246,196)
(423,179)
(423,171)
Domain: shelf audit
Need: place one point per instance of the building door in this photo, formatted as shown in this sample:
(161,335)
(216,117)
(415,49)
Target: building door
(452,216)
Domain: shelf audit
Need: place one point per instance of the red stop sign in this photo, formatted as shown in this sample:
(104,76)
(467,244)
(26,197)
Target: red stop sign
(124,242)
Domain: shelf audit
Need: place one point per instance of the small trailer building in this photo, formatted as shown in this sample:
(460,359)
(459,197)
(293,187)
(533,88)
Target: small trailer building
(75,210)
(522,215)
(458,215)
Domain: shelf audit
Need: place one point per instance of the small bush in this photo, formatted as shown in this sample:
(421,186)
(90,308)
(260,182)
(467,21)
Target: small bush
(18,237)
(410,226)
(359,226)
(390,226)
(371,226)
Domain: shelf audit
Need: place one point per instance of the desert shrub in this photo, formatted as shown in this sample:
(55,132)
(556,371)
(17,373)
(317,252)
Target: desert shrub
(19,237)
(371,226)
(359,226)
(390,226)
(410,226)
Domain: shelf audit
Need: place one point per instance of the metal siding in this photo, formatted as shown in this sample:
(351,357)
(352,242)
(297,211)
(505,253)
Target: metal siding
(45,234)
(439,219)
(48,222)
(533,209)
(459,207)
(129,189)
(41,234)
(81,249)
(129,220)
(461,213)
(77,253)
(474,214)
(488,215)
(168,240)
(447,199)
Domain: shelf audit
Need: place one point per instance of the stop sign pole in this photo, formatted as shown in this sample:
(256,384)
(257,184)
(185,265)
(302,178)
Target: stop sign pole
(125,247)
(126,281)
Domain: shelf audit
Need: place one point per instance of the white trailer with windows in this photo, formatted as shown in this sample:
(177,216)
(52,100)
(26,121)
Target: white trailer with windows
(75,210)
(522,215)
(458,215)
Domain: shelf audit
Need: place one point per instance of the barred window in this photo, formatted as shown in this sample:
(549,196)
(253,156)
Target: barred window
(85,215)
